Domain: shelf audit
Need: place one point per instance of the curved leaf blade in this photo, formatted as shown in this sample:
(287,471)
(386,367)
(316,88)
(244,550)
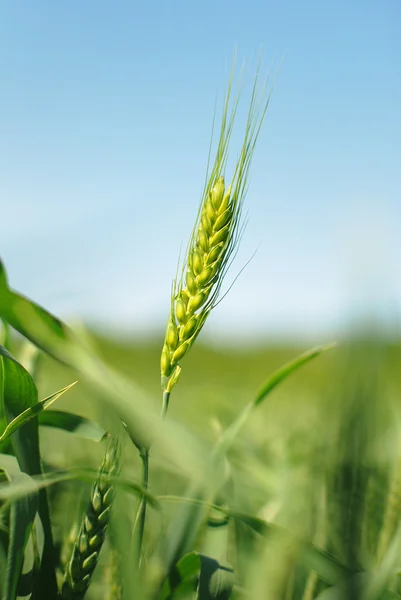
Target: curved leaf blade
(40,482)
(22,515)
(3,280)
(272,382)
(31,412)
(18,393)
(283,372)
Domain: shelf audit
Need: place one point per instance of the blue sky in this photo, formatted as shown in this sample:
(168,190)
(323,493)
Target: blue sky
(106,112)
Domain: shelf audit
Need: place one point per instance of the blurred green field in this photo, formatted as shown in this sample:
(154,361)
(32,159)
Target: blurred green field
(217,382)
(321,457)
(293,428)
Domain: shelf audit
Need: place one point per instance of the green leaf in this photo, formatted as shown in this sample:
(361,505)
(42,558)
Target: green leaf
(22,515)
(18,393)
(183,576)
(32,559)
(72,423)
(33,322)
(287,369)
(40,482)
(31,412)
(4,333)
(275,379)
(3,280)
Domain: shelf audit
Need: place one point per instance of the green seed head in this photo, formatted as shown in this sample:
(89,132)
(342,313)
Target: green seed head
(223,219)
(83,543)
(92,530)
(213,240)
(197,262)
(217,193)
(203,241)
(90,563)
(226,201)
(172,380)
(220,236)
(88,522)
(172,335)
(210,211)
(184,297)
(96,540)
(181,351)
(165,363)
(207,228)
(214,254)
(191,283)
(189,328)
(196,301)
(96,500)
(104,516)
(180,311)
(205,277)
(214,269)
(108,496)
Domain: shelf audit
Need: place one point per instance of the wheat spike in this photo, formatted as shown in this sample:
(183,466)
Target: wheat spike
(214,240)
(91,535)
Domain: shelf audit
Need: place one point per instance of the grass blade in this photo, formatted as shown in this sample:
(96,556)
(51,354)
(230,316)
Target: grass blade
(31,412)
(22,515)
(277,377)
(18,393)
(40,482)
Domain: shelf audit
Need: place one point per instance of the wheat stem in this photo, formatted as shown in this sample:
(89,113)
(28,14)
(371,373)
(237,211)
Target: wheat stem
(139,526)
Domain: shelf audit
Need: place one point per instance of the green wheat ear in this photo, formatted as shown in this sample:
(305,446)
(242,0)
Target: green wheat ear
(91,535)
(214,239)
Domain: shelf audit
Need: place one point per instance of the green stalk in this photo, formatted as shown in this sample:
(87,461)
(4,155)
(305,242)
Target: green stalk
(47,579)
(139,526)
